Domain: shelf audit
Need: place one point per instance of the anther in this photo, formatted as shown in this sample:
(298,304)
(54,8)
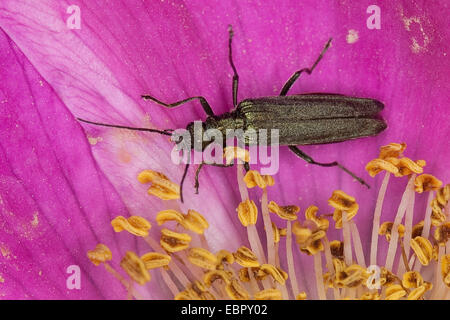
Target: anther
(153,260)
(423,248)
(247,212)
(426,182)
(269,294)
(246,258)
(135,225)
(284,212)
(135,268)
(202,258)
(161,186)
(172,241)
(100,254)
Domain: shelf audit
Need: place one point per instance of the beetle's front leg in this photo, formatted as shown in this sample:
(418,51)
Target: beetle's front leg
(199,168)
(308,159)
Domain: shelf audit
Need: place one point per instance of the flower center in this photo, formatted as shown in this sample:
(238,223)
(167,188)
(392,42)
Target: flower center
(416,265)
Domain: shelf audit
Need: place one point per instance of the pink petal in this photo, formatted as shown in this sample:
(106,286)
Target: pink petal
(54,201)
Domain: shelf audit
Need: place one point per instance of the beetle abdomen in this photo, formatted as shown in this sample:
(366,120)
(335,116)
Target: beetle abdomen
(313,118)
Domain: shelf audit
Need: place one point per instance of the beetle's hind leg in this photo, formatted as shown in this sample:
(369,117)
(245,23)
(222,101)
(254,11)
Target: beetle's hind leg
(203,102)
(308,159)
(235,75)
(297,74)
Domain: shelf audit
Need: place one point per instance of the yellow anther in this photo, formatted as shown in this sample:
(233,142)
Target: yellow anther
(235,291)
(135,225)
(195,222)
(337,248)
(309,242)
(207,296)
(371,296)
(276,233)
(426,182)
(438,204)
(375,166)
(342,202)
(231,153)
(311,214)
(417,229)
(198,287)
(202,258)
(283,232)
(135,268)
(211,276)
(442,234)
(253,178)
(247,212)
(406,166)
(169,215)
(301,296)
(392,150)
(246,258)
(153,260)
(387,278)
(186,295)
(418,293)
(423,249)
(412,279)
(276,273)
(161,186)
(445,269)
(386,230)
(269,294)
(244,275)
(395,292)
(224,256)
(354,276)
(284,212)
(339,265)
(100,254)
(302,234)
(172,241)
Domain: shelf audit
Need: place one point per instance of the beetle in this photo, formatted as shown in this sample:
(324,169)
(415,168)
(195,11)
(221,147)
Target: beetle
(305,119)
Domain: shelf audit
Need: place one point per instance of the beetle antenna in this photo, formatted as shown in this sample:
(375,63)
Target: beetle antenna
(182,181)
(167,132)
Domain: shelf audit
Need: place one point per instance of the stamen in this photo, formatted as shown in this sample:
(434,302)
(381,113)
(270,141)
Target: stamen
(135,225)
(376,219)
(195,222)
(169,215)
(386,230)
(100,254)
(173,241)
(202,258)
(423,249)
(161,186)
(445,269)
(277,274)
(392,150)
(412,279)
(235,291)
(290,260)
(427,182)
(135,268)
(246,258)
(301,296)
(284,212)
(153,260)
(247,213)
(268,294)
(395,292)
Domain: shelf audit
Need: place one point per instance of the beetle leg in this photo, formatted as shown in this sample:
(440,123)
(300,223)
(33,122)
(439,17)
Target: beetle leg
(308,159)
(197,172)
(235,76)
(297,74)
(204,103)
